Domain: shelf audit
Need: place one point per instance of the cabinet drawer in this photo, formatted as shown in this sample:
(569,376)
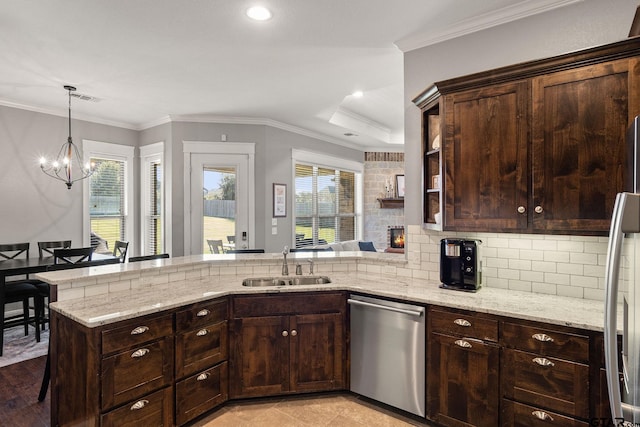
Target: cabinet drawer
(155,409)
(201,392)
(269,305)
(133,373)
(516,414)
(201,314)
(463,325)
(546,382)
(547,342)
(136,332)
(200,348)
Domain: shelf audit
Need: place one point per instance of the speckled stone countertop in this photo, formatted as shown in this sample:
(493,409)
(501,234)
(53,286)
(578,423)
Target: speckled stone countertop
(103,309)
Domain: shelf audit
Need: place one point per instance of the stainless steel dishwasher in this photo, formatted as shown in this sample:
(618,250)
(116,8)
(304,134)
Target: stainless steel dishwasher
(388,352)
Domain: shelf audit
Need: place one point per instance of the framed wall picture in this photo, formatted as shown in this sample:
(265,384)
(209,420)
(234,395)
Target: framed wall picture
(400,186)
(279,200)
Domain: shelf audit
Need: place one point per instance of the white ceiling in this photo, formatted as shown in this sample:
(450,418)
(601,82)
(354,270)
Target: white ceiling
(149,61)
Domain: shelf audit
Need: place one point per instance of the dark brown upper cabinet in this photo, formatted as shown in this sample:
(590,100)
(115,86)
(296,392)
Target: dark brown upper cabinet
(537,147)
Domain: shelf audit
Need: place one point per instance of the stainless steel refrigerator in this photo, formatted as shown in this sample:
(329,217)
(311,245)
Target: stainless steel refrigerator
(622,284)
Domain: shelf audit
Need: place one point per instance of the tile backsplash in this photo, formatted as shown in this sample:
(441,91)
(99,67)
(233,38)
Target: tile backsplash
(571,266)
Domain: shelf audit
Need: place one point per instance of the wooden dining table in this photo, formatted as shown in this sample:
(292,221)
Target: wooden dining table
(26,266)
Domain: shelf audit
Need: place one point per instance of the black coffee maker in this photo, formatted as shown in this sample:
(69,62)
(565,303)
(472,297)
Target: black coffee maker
(460,264)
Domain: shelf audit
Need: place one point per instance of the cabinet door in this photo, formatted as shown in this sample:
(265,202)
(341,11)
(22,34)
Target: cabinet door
(579,123)
(485,158)
(317,352)
(259,356)
(463,382)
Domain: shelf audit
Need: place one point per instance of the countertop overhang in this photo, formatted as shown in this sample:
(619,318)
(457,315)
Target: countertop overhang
(115,306)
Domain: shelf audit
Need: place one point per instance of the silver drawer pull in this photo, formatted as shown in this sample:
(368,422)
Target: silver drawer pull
(462,322)
(202,332)
(462,343)
(541,415)
(543,361)
(542,337)
(140,353)
(203,376)
(203,312)
(140,330)
(139,404)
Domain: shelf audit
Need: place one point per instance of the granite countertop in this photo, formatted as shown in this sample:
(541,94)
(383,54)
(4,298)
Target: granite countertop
(108,308)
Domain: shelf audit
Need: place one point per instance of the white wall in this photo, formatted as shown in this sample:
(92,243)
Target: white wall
(578,26)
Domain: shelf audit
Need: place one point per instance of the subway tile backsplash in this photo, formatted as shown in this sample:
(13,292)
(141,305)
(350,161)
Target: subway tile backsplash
(558,265)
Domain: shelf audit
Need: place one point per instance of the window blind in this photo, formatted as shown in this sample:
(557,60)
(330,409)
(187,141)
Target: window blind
(325,208)
(107,200)
(154,217)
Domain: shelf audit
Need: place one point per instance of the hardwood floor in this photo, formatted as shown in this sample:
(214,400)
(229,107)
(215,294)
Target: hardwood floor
(19,388)
(19,406)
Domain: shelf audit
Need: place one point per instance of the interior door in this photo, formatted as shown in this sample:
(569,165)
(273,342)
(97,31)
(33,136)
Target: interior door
(219,203)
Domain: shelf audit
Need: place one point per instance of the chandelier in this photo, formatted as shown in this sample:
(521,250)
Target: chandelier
(67,165)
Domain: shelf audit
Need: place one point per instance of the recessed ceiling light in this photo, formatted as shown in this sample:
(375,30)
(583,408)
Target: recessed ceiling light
(259,13)
(358,94)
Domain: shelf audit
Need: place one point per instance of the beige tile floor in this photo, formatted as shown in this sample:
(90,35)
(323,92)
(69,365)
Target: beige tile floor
(320,410)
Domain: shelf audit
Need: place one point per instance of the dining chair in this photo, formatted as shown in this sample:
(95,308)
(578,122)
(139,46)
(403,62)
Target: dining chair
(147,257)
(120,250)
(47,248)
(245,251)
(215,246)
(72,255)
(20,290)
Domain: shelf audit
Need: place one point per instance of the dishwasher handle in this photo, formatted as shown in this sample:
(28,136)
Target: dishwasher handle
(419,312)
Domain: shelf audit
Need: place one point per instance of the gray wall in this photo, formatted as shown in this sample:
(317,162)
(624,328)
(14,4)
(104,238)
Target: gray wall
(578,26)
(34,206)
(272,164)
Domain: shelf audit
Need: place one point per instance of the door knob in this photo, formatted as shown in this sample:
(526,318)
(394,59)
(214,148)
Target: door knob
(538,209)
(294,333)
(285,333)
(521,209)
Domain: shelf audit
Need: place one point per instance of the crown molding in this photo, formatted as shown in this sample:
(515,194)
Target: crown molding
(65,113)
(481,22)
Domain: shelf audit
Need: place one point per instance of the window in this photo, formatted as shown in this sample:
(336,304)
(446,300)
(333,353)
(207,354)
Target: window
(108,195)
(327,207)
(152,196)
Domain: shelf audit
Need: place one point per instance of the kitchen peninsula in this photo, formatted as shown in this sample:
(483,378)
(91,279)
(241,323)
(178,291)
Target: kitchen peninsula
(106,317)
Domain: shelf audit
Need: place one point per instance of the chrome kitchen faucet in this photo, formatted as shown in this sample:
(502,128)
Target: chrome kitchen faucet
(285,267)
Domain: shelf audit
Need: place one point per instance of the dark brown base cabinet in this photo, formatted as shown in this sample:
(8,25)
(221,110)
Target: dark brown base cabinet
(462,369)
(139,372)
(287,344)
(172,367)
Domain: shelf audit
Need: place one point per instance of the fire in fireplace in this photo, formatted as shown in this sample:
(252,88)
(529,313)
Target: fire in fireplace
(396,237)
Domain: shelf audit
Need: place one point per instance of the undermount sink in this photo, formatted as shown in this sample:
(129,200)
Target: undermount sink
(286,281)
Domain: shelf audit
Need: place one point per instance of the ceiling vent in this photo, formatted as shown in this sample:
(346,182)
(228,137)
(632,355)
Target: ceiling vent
(83,97)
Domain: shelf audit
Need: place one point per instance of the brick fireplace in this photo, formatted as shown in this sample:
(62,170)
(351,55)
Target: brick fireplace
(395,239)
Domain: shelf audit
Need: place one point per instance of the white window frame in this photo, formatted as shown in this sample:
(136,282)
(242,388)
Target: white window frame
(123,153)
(149,154)
(327,161)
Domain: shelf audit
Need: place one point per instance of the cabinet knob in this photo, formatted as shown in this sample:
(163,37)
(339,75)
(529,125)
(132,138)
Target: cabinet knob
(462,322)
(541,415)
(294,333)
(202,332)
(203,376)
(521,209)
(139,330)
(538,209)
(285,333)
(202,313)
(140,353)
(543,361)
(542,337)
(139,404)
(462,343)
